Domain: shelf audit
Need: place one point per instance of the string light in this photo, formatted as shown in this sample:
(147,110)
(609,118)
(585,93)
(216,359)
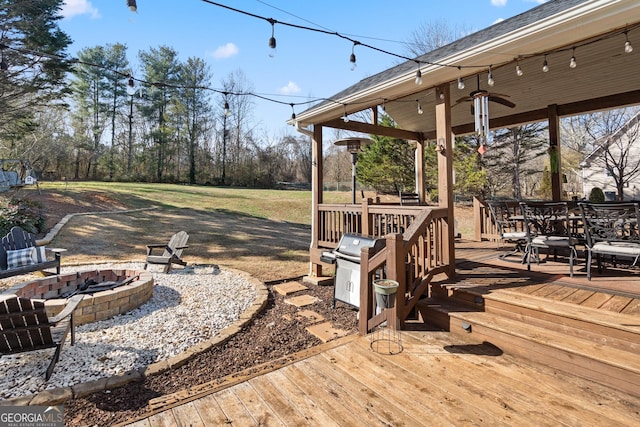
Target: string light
(352,58)
(418,75)
(545,65)
(384,107)
(519,71)
(272,39)
(293,112)
(133,7)
(490,80)
(460,82)
(345,117)
(627,44)
(572,63)
(420,111)
(227,111)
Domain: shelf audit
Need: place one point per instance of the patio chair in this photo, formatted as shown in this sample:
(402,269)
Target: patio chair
(172,252)
(547,227)
(508,227)
(611,229)
(24,326)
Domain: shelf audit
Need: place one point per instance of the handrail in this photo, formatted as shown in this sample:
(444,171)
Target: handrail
(412,259)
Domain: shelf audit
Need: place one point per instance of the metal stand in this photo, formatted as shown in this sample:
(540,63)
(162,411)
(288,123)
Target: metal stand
(386,338)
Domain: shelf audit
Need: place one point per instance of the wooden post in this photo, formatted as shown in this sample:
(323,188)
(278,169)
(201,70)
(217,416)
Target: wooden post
(444,147)
(420,171)
(367,227)
(366,303)
(396,271)
(316,196)
(555,157)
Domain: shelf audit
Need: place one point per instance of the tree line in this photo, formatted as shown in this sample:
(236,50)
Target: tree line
(90,119)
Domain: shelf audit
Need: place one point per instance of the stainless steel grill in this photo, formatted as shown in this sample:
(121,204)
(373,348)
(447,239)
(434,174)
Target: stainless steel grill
(347,257)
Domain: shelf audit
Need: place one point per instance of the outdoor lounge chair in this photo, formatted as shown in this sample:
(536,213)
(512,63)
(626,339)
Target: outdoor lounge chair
(172,252)
(24,326)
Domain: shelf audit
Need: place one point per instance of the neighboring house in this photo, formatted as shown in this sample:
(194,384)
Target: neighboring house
(622,147)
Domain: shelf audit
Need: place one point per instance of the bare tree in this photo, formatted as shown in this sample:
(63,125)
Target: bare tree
(432,35)
(616,134)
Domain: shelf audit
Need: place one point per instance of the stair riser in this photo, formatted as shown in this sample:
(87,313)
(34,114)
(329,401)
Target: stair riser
(435,317)
(580,328)
(459,296)
(572,363)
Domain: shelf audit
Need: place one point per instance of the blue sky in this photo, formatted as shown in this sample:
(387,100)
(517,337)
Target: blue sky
(306,64)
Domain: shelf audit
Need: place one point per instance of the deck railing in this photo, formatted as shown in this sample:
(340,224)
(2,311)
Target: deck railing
(367,219)
(411,258)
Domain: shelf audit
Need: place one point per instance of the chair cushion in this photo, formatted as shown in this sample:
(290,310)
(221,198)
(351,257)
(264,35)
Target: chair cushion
(554,241)
(38,254)
(617,248)
(19,258)
(514,235)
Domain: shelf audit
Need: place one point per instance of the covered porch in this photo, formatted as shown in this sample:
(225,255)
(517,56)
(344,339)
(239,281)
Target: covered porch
(525,59)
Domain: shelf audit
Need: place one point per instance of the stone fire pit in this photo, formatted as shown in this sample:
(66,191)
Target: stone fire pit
(97,306)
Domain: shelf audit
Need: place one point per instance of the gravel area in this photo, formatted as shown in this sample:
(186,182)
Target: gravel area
(187,307)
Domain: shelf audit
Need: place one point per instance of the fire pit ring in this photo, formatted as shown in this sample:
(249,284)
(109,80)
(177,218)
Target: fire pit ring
(136,289)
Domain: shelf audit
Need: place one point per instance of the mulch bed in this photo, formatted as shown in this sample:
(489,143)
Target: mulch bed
(276,332)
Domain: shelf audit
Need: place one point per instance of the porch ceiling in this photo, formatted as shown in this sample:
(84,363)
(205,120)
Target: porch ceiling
(605,75)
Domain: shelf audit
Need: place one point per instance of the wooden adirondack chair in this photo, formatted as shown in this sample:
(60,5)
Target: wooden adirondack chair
(172,252)
(18,239)
(24,326)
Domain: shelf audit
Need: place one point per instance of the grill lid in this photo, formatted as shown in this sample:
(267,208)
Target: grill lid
(352,244)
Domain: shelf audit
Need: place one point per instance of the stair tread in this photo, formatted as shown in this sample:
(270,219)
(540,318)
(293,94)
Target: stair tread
(601,317)
(616,357)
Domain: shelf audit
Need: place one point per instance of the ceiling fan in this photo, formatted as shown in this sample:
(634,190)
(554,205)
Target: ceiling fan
(493,97)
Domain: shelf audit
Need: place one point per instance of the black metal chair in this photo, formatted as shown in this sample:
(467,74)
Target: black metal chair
(611,229)
(508,227)
(547,227)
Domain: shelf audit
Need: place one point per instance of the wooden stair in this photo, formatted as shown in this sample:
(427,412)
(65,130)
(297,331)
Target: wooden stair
(598,345)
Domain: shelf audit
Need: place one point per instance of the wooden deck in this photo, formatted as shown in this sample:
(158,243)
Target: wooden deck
(453,378)
(435,380)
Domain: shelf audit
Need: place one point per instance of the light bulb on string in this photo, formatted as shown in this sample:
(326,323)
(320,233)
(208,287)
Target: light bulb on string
(227,111)
(272,39)
(519,71)
(418,75)
(293,112)
(627,44)
(352,58)
(545,65)
(420,110)
(345,118)
(490,80)
(133,7)
(131,90)
(573,63)
(460,82)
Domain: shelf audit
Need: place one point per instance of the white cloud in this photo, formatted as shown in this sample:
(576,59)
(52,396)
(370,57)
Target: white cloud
(226,51)
(497,20)
(289,89)
(71,8)
(499,3)
(537,1)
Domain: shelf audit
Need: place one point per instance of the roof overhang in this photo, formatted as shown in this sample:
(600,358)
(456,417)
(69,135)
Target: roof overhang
(605,77)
